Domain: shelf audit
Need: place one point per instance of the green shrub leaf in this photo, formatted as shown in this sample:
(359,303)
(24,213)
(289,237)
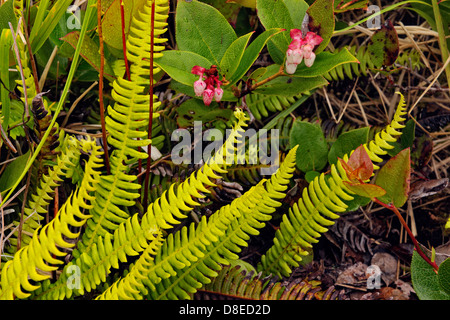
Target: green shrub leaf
(394,177)
(178,65)
(202,29)
(425,281)
(347,142)
(312,148)
(321,21)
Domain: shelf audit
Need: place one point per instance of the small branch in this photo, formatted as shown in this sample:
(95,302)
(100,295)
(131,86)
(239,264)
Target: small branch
(124,40)
(410,234)
(262,82)
(100,84)
(150,115)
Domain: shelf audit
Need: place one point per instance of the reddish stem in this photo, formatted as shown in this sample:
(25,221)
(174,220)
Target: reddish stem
(150,116)
(410,234)
(100,85)
(124,40)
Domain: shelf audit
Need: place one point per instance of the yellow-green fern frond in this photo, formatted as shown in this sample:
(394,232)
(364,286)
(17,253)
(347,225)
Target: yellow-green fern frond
(39,199)
(192,256)
(377,147)
(139,41)
(130,233)
(32,263)
(319,206)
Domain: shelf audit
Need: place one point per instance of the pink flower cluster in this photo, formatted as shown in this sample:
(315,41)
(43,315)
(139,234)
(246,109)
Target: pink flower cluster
(208,85)
(301,47)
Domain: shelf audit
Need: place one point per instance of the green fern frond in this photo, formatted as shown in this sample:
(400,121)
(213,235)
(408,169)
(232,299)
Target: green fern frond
(126,123)
(192,256)
(32,263)
(95,257)
(139,41)
(262,105)
(41,197)
(317,209)
(351,70)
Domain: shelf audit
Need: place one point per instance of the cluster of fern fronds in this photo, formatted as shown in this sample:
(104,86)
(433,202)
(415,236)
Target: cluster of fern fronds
(102,230)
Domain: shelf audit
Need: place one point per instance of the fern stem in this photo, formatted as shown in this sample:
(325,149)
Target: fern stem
(150,115)
(124,40)
(100,84)
(410,234)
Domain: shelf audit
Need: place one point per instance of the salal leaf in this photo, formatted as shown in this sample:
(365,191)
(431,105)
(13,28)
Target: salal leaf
(425,281)
(275,14)
(232,57)
(366,190)
(202,29)
(394,177)
(178,65)
(321,21)
(251,53)
(347,142)
(312,148)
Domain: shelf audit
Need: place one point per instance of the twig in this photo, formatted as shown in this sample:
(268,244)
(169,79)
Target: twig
(150,115)
(410,234)
(124,40)
(75,103)
(19,63)
(329,104)
(100,84)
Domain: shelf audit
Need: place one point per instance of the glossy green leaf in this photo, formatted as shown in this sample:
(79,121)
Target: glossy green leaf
(297,10)
(394,177)
(325,62)
(275,14)
(233,56)
(383,46)
(347,142)
(202,29)
(425,281)
(251,54)
(311,175)
(178,65)
(244,3)
(321,21)
(5,45)
(312,148)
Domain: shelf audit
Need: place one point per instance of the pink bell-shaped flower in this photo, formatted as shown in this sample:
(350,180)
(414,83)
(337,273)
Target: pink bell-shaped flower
(199,87)
(301,48)
(208,96)
(218,94)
